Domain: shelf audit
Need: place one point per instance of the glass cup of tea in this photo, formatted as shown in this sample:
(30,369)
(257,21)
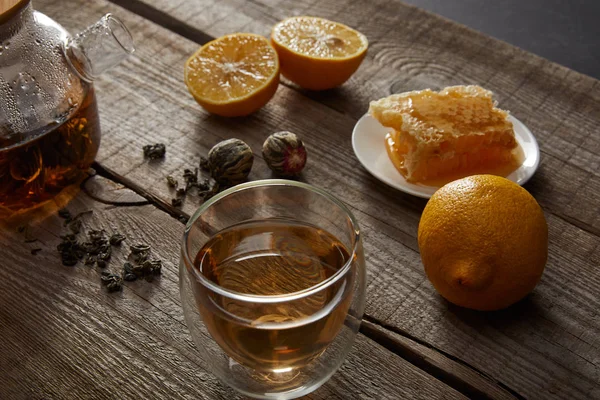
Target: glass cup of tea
(272,279)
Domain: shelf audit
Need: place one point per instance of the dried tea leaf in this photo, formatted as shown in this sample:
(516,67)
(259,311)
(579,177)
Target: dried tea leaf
(70,250)
(152,267)
(154,151)
(128,273)
(116,239)
(114,286)
(139,252)
(172,182)
(130,277)
(113,282)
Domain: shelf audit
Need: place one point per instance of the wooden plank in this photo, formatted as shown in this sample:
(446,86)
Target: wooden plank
(412,49)
(66,337)
(464,377)
(144,101)
(562,107)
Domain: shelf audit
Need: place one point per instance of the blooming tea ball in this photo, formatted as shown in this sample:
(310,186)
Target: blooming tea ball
(230,161)
(284,153)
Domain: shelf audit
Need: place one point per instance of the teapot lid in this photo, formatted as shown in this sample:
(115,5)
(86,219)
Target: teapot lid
(8,8)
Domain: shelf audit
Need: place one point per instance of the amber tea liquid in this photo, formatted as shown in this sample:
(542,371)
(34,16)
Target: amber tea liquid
(273,257)
(38,170)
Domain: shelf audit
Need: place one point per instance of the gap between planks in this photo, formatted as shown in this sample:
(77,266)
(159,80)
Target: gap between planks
(187,31)
(392,338)
(380,336)
(408,348)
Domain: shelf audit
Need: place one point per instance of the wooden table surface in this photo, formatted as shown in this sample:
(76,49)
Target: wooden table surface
(64,337)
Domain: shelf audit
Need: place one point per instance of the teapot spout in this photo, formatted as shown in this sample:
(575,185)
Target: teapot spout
(99,47)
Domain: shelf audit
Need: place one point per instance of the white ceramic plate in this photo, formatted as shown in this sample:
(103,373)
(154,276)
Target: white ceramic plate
(368,141)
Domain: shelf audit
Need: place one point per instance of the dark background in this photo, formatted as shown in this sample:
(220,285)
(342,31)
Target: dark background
(564,31)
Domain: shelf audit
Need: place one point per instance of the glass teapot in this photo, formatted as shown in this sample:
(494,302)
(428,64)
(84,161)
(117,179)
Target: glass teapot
(49,124)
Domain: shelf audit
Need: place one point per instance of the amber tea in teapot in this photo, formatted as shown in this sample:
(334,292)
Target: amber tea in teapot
(49,124)
(36,171)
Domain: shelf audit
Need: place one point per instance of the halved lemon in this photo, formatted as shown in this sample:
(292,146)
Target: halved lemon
(316,53)
(233,75)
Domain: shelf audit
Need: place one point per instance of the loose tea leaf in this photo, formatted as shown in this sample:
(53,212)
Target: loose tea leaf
(191,178)
(153,267)
(35,251)
(143,267)
(99,247)
(127,267)
(172,182)
(205,188)
(154,151)
(71,251)
(138,270)
(128,273)
(97,250)
(113,282)
(116,239)
(114,286)
(141,257)
(102,258)
(148,269)
(139,252)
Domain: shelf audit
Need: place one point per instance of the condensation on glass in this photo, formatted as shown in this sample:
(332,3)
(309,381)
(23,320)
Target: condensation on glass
(49,124)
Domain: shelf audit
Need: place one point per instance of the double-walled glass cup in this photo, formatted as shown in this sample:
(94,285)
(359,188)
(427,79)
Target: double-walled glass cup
(263,341)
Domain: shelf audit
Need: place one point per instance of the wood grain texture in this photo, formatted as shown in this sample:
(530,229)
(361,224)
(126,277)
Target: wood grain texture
(65,337)
(469,381)
(411,49)
(546,346)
